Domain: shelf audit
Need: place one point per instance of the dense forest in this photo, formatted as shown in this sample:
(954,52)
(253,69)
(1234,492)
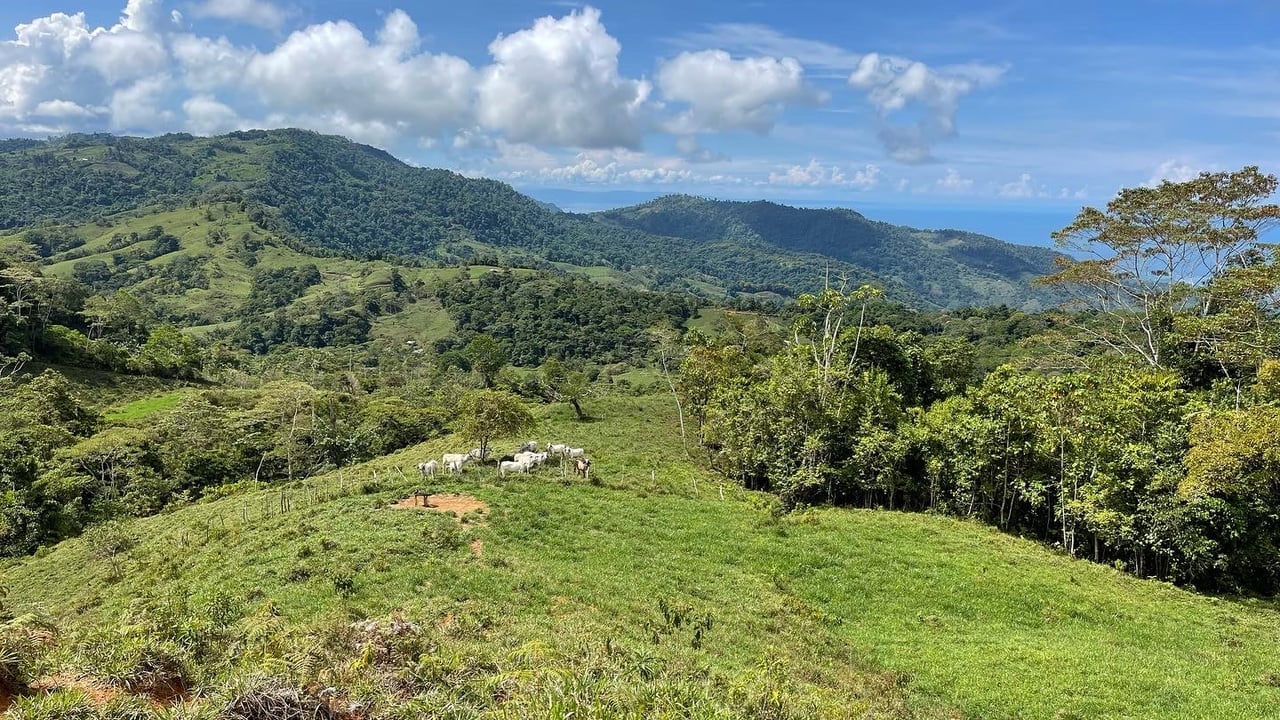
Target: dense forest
(1141,431)
(538,318)
(948,267)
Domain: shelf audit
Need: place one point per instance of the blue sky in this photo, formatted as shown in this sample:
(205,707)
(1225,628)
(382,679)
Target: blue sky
(1000,117)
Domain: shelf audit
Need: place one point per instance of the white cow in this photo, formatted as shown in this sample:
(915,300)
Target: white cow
(476,454)
(533,459)
(455,461)
(428,469)
(575,452)
(557,449)
(512,466)
(531,446)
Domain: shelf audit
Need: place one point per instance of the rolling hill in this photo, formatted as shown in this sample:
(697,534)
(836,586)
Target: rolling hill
(330,195)
(947,267)
(656,588)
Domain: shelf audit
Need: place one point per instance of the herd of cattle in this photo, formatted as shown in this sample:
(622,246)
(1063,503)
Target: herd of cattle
(521,461)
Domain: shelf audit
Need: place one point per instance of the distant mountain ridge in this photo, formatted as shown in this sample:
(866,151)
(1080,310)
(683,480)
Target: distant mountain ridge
(919,259)
(333,194)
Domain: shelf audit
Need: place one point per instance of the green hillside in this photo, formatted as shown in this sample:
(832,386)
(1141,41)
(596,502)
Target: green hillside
(560,598)
(946,267)
(205,280)
(210,431)
(335,196)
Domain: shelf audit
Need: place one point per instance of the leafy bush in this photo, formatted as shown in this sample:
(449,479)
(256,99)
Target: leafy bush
(23,642)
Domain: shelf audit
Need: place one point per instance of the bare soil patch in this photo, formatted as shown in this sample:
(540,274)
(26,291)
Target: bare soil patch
(98,693)
(456,504)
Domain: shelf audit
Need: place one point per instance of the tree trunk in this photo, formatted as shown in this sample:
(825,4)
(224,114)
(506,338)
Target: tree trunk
(666,373)
(577,409)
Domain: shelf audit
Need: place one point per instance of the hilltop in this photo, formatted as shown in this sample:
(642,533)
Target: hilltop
(330,195)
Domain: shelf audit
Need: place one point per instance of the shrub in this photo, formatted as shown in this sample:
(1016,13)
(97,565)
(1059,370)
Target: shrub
(23,642)
(443,535)
(272,699)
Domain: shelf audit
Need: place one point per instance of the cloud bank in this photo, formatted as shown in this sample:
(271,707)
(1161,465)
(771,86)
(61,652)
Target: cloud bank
(556,90)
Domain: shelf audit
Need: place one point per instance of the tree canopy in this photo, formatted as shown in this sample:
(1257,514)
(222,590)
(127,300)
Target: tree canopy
(1179,273)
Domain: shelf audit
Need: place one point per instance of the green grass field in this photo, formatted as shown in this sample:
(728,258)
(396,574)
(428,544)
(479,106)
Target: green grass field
(425,321)
(144,408)
(880,614)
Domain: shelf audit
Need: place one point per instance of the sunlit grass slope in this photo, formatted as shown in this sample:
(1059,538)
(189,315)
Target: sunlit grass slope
(901,615)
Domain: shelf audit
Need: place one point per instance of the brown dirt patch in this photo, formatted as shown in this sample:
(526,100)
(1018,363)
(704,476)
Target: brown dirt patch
(98,693)
(477,548)
(456,504)
(165,695)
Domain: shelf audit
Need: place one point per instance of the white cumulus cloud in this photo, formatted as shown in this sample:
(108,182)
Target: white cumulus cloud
(952,181)
(261,13)
(724,93)
(331,75)
(1024,187)
(205,115)
(207,64)
(58,68)
(122,56)
(142,15)
(894,84)
(1173,171)
(61,109)
(139,107)
(816,174)
(558,83)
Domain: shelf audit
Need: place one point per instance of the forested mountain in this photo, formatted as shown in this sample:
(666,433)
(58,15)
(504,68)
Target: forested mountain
(947,267)
(331,194)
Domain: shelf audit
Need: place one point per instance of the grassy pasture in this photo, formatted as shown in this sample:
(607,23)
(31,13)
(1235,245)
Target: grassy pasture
(144,408)
(886,613)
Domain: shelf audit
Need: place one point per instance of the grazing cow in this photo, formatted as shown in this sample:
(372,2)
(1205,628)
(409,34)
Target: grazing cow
(583,467)
(531,446)
(512,466)
(557,449)
(476,454)
(533,459)
(428,469)
(575,452)
(454,461)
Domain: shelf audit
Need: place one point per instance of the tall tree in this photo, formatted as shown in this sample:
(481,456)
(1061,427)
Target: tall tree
(1176,267)
(487,357)
(489,414)
(563,384)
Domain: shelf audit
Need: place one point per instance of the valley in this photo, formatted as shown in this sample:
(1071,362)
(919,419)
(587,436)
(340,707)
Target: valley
(838,468)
